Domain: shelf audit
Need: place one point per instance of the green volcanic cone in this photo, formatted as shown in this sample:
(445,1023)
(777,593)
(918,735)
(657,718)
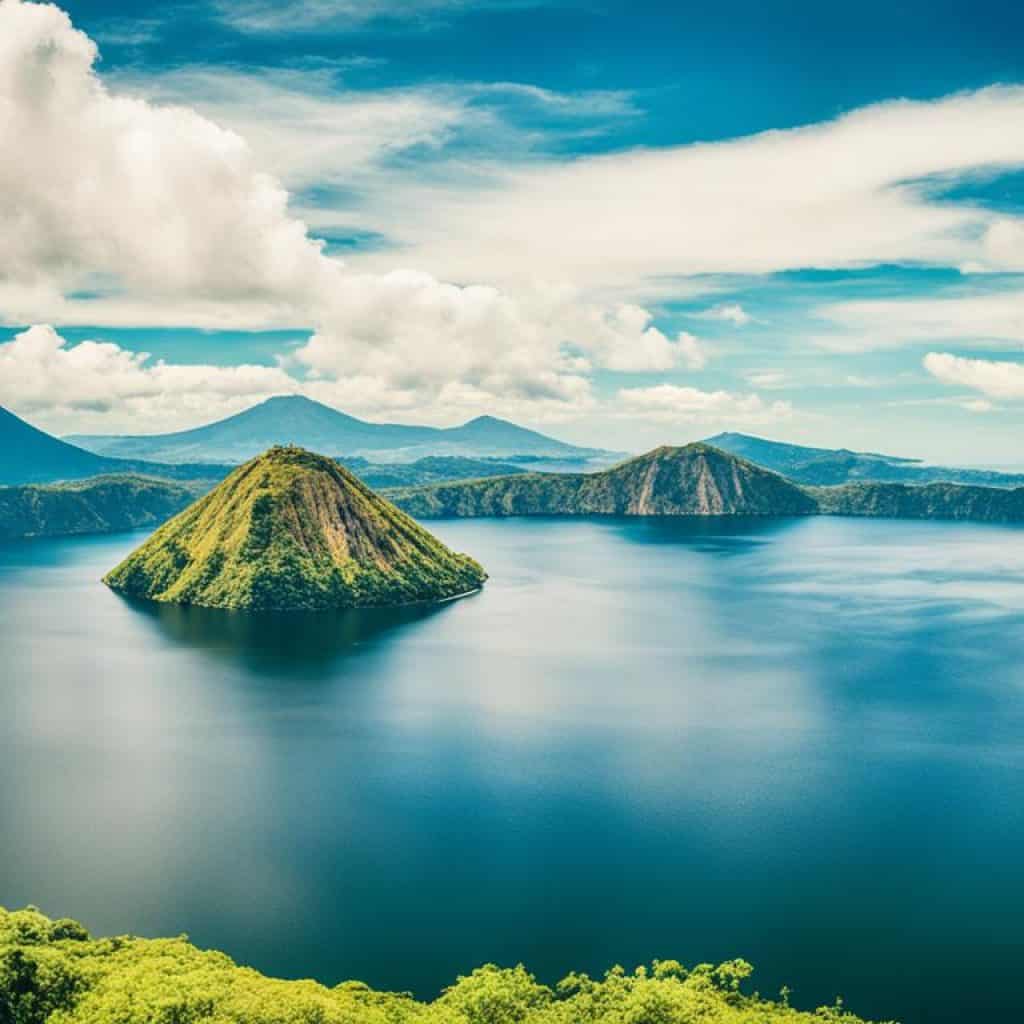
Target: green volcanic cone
(291,530)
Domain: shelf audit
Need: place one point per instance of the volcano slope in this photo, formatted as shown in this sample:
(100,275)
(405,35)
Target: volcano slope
(289,531)
(695,480)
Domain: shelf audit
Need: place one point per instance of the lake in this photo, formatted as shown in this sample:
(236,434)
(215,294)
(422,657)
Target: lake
(796,741)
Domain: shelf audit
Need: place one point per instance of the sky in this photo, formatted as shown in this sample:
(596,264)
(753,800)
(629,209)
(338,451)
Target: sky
(626,224)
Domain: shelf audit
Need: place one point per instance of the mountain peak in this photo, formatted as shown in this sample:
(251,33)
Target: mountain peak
(296,418)
(291,530)
(285,400)
(487,419)
(693,480)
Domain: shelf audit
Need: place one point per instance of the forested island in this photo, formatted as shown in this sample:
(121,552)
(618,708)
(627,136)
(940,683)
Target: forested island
(701,480)
(694,480)
(294,531)
(53,972)
(102,504)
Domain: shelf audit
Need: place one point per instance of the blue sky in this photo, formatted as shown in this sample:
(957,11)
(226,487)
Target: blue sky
(567,213)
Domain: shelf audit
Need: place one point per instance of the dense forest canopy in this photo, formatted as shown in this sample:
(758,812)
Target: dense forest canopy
(52,972)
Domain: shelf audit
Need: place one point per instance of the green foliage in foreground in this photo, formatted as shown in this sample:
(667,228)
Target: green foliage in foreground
(51,972)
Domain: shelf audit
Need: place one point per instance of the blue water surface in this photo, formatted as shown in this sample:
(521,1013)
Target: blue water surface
(796,741)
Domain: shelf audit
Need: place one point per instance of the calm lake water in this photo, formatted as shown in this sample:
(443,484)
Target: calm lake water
(801,742)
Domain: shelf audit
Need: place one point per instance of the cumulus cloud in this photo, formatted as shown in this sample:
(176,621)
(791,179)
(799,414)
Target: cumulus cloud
(40,372)
(770,380)
(989,318)
(730,312)
(122,207)
(671,403)
(96,188)
(996,379)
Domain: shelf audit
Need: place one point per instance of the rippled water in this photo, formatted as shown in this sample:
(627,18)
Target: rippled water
(796,741)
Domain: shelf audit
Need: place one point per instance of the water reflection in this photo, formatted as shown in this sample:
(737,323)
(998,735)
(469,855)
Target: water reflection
(725,535)
(278,644)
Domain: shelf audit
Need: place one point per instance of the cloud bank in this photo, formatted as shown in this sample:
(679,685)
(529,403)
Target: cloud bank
(122,207)
(994,378)
(117,210)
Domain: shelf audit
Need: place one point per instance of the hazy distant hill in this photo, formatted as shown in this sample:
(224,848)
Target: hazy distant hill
(431,469)
(29,455)
(99,505)
(700,480)
(292,419)
(829,467)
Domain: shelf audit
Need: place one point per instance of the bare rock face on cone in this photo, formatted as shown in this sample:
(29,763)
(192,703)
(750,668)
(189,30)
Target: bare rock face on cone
(290,531)
(695,480)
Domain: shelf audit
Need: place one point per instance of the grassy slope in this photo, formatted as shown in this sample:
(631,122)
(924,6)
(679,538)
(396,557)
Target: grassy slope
(100,505)
(51,972)
(292,530)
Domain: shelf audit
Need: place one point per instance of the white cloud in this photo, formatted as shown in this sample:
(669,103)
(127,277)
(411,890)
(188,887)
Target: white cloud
(979,405)
(165,217)
(993,378)
(96,188)
(730,312)
(1002,246)
(302,126)
(989,319)
(770,380)
(692,349)
(118,210)
(671,403)
(856,191)
(283,16)
(307,128)
(40,373)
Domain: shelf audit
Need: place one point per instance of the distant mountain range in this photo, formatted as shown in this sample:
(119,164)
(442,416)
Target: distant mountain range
(696,480)
(829,467)
(702,480)
(292,419)
(31,456)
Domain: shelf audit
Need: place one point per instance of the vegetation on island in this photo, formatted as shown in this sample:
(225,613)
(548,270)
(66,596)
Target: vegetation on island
(100,505)
(700,480)
(431,469)
(52,972)
(294,531)
(922,501)
(829,467)
(690,481)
